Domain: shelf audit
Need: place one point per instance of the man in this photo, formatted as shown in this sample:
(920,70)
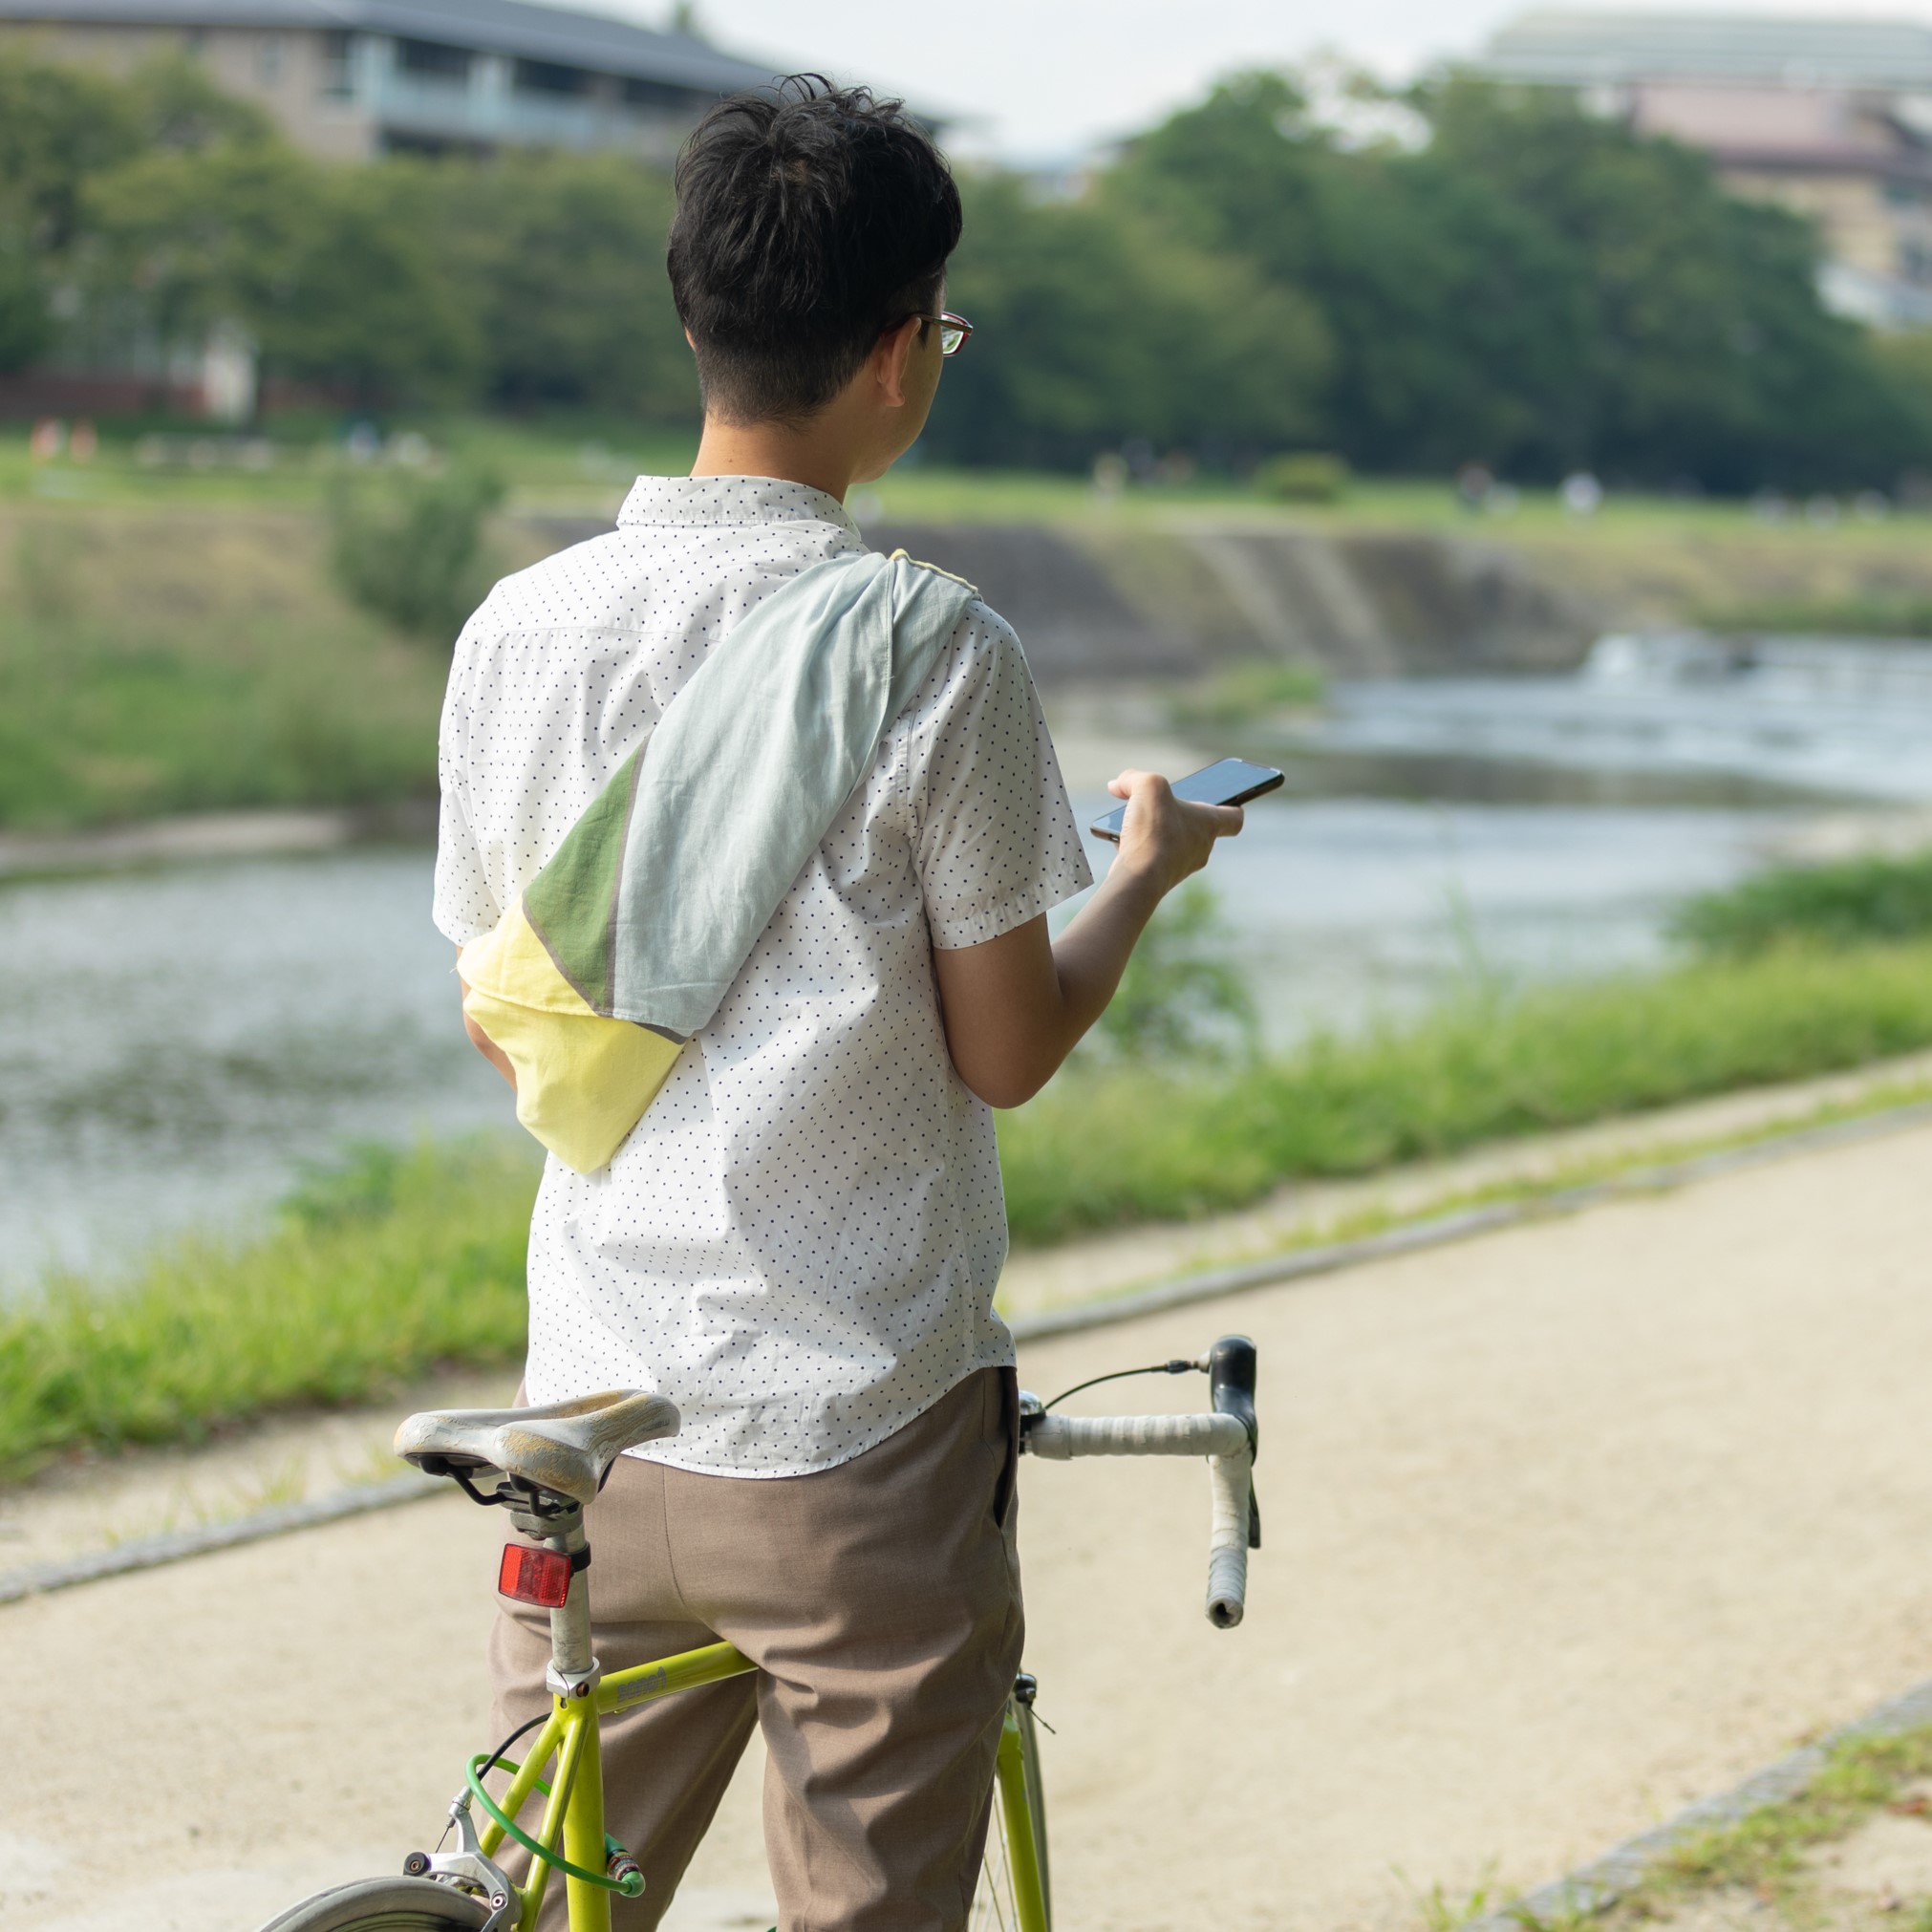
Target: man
(799,1242)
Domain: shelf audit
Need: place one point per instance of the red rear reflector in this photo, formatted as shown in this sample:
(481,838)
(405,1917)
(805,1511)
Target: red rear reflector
(533,1576)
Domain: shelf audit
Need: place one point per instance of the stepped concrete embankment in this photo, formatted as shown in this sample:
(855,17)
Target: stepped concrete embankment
(1167,602)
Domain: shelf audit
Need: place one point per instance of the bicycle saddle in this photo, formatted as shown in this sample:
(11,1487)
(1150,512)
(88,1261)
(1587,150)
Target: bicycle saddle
(564,1447)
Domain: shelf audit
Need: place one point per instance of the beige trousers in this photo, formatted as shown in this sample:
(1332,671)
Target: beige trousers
(881,1603)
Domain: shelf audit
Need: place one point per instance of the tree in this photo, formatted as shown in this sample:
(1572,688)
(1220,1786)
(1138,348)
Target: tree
(324,267)
(1097,327)
(1709,352)
(1454,317)
(26,315)
(561,260)
(59,126)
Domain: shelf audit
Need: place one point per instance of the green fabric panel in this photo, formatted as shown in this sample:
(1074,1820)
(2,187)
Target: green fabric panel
(571,902)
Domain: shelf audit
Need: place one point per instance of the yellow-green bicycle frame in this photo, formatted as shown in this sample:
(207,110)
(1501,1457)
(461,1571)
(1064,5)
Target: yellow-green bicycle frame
(573,1814)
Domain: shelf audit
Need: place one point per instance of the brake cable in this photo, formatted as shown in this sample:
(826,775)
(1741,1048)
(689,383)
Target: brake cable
(631,1885)
(1178,1366)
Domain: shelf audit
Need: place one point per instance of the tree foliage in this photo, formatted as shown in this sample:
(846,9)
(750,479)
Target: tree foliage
(1100,326)
(1708,350)
(1536,287)
(1529,287)
(324,267)
(563,256)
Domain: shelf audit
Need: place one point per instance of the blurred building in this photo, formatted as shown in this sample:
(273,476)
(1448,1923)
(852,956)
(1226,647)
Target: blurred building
(1830,117)
(354,78)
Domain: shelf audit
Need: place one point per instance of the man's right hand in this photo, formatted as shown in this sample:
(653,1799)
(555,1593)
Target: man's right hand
(1164,839)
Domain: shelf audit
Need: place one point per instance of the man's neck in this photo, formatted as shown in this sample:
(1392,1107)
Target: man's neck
(810,456)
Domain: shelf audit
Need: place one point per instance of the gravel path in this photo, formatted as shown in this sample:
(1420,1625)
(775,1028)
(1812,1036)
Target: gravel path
(1567,1527)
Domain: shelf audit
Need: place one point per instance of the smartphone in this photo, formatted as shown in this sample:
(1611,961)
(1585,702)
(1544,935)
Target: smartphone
(1228,781)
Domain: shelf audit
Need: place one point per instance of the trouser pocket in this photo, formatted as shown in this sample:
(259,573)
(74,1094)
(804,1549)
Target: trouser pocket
(1005,1433)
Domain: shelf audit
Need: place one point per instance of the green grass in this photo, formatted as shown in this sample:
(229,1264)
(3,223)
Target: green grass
(401,1261)
(92,730)
(1245,693)
(1873,613)
(579,460)
(1846,903)
(1101,1149)
(1764,1855)
(1764,1852)
(154,664)
(564,463)
(378,1273)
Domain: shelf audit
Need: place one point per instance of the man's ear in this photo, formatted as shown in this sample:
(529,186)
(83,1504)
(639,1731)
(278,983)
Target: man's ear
(891,358)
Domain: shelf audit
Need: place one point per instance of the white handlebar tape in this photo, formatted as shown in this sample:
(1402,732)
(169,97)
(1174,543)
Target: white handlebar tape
(1228,1540)
(1223,1439)
(1059,1437)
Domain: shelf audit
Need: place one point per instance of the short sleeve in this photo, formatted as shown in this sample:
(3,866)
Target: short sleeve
(997,839)
(463,906)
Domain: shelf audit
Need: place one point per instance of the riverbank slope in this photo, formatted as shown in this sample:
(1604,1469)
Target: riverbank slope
(168,659)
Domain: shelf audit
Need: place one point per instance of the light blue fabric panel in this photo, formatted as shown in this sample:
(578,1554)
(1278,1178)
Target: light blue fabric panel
(751,763)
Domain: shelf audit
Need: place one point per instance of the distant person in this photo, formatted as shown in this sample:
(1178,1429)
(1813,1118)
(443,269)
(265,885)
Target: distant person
(799,1242)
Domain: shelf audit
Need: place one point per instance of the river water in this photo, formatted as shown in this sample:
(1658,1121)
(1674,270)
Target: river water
(176,1044)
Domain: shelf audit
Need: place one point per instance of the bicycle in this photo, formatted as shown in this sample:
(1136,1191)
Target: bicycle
(545,1465)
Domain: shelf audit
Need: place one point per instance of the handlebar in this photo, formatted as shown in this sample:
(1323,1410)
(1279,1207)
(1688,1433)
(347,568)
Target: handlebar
(1060,1438)
(1228,1437)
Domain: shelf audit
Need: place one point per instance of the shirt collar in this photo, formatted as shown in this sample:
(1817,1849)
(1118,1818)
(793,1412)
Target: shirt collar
(689,500)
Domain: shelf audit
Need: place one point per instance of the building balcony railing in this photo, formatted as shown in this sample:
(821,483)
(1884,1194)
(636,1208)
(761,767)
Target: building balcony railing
(484,116)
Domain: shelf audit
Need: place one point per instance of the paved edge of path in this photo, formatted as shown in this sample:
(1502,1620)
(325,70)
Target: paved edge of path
(1433,1231)
(150,1552)
(1597,1886)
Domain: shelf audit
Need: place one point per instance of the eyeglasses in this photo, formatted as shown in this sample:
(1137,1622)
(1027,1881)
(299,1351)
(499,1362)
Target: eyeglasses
(953,330)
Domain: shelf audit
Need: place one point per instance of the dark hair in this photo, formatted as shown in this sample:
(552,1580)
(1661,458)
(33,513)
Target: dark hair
(811,219)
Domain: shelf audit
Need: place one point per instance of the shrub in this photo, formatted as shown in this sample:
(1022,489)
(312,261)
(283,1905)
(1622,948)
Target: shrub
(1847,903)
(1304,476)
(410,547)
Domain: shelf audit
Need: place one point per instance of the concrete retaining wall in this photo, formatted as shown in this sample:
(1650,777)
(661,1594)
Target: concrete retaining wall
(1094,602)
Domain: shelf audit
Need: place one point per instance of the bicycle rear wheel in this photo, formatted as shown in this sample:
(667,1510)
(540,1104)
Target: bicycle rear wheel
(996,1904)
(384,1905)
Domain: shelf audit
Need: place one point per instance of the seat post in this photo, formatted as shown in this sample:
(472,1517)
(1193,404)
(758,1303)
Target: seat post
(570,1658)
(574,1673)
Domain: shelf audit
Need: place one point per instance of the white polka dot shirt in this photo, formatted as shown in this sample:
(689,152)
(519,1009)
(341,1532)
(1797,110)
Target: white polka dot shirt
(799,1242)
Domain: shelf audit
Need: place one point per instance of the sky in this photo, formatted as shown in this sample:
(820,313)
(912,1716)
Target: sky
(1040,81)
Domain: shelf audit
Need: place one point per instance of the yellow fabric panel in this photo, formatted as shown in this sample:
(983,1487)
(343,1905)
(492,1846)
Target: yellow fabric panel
(512,963)
(583,1081)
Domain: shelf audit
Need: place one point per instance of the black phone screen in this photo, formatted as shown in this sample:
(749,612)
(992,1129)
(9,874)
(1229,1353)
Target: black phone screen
(1228,781)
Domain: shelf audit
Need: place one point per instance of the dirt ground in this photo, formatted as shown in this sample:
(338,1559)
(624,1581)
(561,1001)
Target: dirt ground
(1566,1527)
(1877,1877)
